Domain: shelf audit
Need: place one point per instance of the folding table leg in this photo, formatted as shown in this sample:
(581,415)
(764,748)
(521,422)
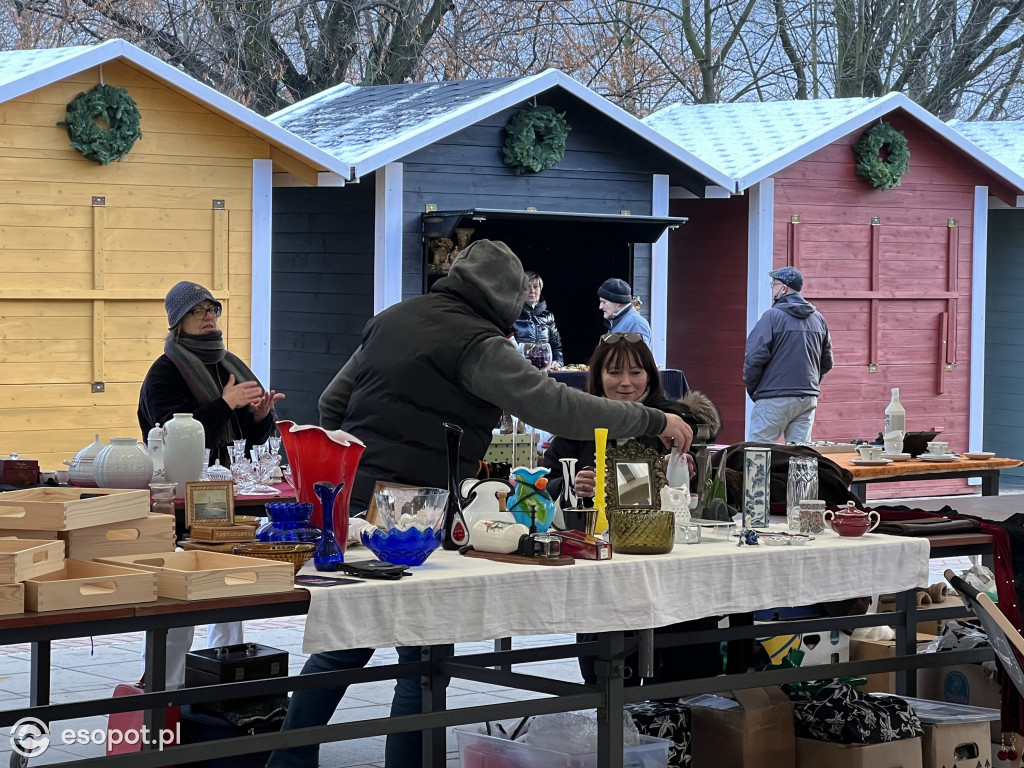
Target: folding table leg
(434,700)
(39,678)
(906,641)
(609,666)
(156,674)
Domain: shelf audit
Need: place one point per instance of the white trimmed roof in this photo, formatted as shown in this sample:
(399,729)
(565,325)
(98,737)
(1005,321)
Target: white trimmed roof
(25,71)
(753,140)
(1003,139)
(376,125)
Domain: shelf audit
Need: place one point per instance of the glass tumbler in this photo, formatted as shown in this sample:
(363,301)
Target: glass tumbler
(802,483)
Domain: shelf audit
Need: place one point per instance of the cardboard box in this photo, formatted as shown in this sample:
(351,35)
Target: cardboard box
(944,741)
(862,650)
(757,734)
(906,753)
(970,684)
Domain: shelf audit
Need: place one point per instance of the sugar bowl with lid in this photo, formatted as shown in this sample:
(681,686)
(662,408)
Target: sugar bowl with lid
(851,521)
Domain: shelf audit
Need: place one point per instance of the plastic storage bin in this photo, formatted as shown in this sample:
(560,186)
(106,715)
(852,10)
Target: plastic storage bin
(478,750)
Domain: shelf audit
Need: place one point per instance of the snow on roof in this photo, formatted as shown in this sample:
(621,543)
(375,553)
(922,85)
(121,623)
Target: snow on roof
(1003,139)
(764,137)
(375,125)
(358,123)
(756,131)
(25,71)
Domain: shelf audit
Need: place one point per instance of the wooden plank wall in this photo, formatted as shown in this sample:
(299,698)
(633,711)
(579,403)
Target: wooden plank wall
(1004,344)
(707,274)
(83,286)
(896,294)
(606,169)
(323,289)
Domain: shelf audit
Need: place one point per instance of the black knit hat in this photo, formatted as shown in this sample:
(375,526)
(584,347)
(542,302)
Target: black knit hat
(616,290)
(183,297)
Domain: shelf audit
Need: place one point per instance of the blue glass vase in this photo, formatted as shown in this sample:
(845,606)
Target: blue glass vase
(328,554)
(289,521)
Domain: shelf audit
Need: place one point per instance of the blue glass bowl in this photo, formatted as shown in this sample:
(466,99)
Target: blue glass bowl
(409,547)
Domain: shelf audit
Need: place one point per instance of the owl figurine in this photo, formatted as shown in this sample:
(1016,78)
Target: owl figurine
(531,503)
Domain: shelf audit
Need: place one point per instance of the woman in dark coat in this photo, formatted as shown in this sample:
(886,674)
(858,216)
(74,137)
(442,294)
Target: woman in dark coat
(197,375)
(623,368)
(536,323)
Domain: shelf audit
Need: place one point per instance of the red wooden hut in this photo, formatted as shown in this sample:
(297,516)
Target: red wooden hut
(898,273)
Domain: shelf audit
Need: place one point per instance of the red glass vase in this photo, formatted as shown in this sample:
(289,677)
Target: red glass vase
(318,455)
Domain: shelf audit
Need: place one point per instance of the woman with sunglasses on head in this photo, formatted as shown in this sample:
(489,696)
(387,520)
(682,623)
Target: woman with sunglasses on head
(622,367)
(197,375)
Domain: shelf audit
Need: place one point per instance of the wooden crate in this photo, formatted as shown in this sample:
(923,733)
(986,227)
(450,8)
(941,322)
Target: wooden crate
(134,537)
(12,599)
(198,575)
(22,559)
(88,585)
(221,533)
(28,533)
(64,509)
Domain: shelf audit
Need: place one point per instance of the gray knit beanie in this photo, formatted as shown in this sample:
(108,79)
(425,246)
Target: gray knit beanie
(616,290)
(182,297)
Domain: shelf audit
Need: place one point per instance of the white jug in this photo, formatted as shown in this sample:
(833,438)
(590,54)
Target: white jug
(184,444)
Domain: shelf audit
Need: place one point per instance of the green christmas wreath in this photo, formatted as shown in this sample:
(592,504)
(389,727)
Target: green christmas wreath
(535,139)
(887,173)
(112,106)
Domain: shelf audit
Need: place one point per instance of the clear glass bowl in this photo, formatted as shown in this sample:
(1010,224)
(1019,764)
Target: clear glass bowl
(413,523)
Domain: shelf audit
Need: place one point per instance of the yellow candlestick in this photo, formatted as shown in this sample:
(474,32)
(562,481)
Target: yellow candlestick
(601,438)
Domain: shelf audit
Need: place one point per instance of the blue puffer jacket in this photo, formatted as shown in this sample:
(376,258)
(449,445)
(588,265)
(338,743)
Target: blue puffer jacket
(536,324)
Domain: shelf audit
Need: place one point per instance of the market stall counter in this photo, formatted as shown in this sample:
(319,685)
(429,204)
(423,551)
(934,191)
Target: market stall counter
(452,598)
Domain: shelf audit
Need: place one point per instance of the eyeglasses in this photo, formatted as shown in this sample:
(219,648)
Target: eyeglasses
(615,338)
(200,312)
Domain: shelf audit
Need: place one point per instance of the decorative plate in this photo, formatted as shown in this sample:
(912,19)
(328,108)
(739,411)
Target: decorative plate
(979,455)
(871,462)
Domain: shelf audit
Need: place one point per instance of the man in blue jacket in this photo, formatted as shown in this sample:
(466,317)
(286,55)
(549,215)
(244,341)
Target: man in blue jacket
(788,353)
(616,304)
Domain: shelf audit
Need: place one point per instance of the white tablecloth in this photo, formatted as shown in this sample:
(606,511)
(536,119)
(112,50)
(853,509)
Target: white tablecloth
(452,598)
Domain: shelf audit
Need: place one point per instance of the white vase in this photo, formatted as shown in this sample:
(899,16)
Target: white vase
(123,464)
(80,468)
(184,443)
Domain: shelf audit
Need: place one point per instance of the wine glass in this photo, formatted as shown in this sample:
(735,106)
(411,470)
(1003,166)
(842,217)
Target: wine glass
(537,352)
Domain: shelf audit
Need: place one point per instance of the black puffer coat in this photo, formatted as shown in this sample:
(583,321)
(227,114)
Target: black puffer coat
(537,324)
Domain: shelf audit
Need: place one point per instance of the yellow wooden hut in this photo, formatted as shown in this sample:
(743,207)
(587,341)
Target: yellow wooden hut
(88,251)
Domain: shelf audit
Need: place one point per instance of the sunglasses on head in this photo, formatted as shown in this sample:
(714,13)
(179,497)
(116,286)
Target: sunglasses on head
(615,338)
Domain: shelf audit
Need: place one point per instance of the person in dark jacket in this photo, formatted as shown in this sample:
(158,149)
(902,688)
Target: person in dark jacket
(788,353)
(622,368)
(536,323)
(444,357)
(197,375)
(615,300)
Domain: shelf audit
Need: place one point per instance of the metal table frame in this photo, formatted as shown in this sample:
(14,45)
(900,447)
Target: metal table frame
(608,695)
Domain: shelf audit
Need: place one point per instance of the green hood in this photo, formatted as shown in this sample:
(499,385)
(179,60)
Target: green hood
(490,278)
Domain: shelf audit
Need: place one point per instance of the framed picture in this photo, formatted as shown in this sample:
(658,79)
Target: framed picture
(210,503)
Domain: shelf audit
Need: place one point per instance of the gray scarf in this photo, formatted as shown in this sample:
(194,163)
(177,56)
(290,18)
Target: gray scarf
(191,355)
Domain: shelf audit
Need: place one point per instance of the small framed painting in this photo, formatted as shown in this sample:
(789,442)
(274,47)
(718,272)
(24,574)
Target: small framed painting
(210,504)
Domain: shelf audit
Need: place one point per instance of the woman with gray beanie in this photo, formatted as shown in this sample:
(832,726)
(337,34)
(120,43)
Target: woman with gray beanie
(197,375)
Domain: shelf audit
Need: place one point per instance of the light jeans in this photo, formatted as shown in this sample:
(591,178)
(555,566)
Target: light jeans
(792,417)
(316,707)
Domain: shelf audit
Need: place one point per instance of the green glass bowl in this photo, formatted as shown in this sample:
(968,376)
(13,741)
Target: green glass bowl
(641,531)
